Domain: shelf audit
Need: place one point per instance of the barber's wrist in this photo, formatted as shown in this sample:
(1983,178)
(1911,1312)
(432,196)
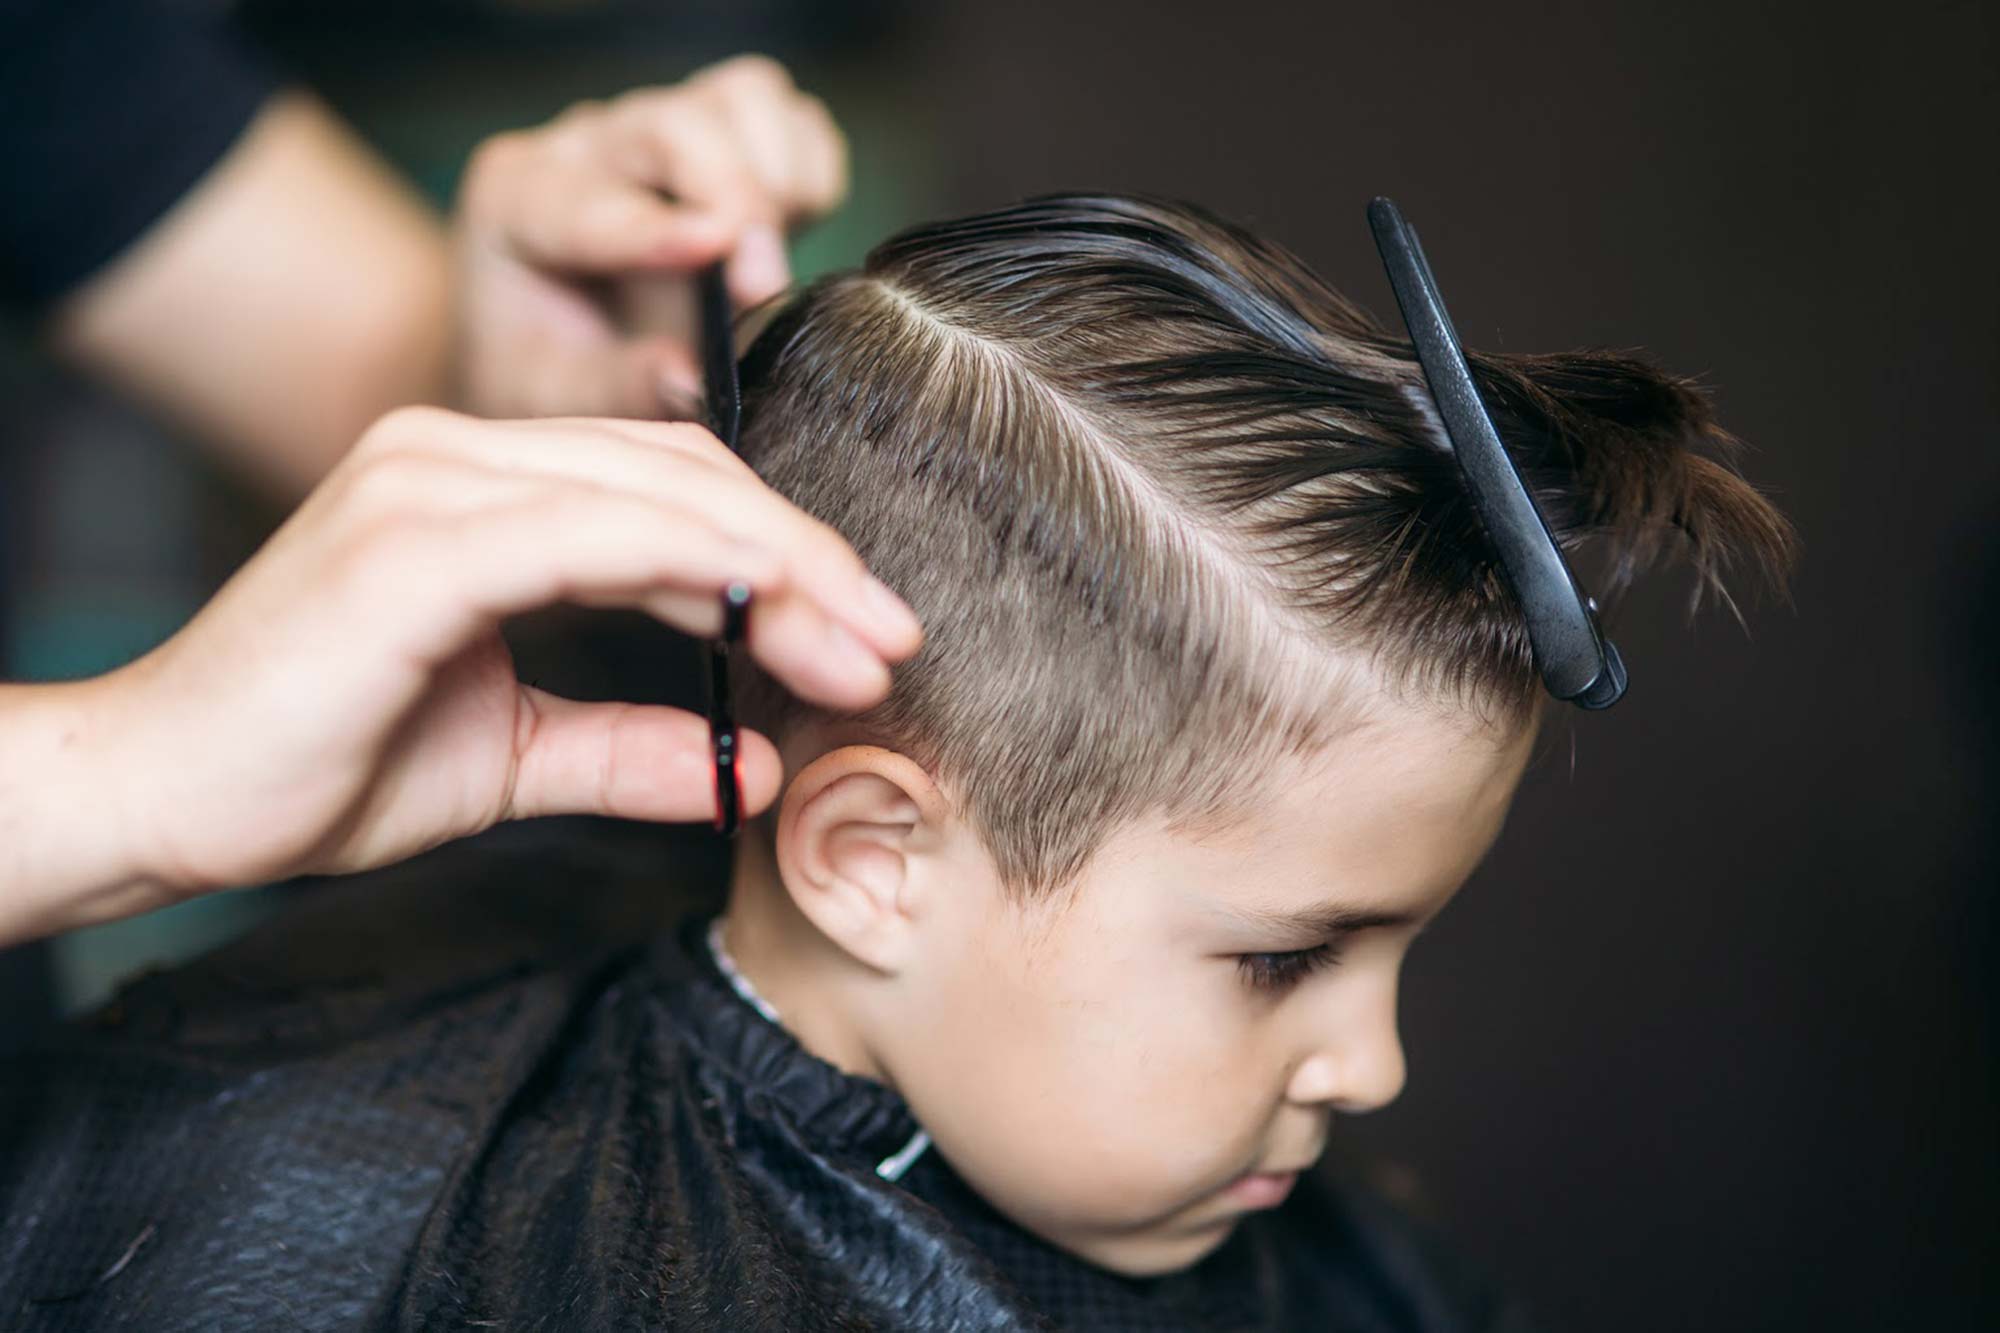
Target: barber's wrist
(71,853)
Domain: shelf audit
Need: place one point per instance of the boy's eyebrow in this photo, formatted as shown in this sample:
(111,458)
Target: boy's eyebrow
(1320,920)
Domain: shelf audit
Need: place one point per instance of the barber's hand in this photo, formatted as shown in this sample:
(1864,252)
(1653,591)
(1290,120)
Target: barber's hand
(562,230)
(346,700)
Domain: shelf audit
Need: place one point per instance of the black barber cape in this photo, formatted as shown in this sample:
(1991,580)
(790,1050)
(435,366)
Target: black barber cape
(493,1089)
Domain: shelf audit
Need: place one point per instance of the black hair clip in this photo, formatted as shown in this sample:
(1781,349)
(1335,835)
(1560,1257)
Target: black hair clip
(1577,662)
(725,417)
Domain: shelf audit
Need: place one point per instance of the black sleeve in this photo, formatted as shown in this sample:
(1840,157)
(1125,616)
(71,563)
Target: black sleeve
(110,111)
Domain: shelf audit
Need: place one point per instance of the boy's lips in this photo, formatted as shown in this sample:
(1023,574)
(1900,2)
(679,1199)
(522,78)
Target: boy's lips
(1260,1189)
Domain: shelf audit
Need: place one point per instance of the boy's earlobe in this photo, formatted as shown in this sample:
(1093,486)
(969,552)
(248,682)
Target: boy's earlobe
(851,826)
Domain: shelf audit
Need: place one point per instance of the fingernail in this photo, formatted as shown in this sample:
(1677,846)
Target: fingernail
(888,612)
(759,268)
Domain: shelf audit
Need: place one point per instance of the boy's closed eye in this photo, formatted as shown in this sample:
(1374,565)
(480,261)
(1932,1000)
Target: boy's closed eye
(1276,973)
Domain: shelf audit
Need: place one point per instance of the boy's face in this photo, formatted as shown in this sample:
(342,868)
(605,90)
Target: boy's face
(1128,1069)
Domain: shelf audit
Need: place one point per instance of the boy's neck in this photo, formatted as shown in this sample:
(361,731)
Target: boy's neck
(786,960)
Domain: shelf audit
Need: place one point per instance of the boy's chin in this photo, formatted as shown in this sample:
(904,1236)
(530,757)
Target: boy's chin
(1152,1253)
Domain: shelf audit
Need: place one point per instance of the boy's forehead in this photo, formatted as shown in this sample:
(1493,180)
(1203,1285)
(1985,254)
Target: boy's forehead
(1398,769)
(1394,812)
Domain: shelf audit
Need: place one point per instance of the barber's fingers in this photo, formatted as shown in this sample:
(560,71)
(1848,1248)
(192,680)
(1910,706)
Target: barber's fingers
(690,149)
(628,761)
(664,180)
(819,158)
(446,545)
(660,459)
(789,137)
(431,586)
(798,155)
(682,467)
(738,136)
(738,140)
(681,196)
(437,586)
(566,211)
(737,112)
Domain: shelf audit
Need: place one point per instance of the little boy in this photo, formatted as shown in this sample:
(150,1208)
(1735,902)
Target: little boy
(1037,992)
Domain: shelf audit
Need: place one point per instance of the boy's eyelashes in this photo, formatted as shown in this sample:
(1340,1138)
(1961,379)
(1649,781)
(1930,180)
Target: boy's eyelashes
(1276,973)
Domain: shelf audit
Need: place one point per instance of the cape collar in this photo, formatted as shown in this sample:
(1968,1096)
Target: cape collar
(723,1018)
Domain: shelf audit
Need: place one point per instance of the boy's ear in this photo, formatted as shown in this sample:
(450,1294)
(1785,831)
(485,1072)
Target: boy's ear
(850,826)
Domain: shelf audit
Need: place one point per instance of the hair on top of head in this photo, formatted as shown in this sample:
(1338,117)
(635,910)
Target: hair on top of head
(1168,504)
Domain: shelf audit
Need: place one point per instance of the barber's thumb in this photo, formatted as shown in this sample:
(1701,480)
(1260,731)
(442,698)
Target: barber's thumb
(630,761)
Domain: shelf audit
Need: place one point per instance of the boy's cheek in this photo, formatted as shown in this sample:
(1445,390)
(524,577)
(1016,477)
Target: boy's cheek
(1126,1195)
(1070,1178)
(1075,1116)
(1082,1080)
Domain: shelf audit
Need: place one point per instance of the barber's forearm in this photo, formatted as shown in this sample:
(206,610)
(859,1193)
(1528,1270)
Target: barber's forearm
(299,292)
(66,853)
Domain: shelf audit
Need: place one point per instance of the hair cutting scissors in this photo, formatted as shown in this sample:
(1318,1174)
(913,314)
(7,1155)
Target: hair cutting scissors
(725,418)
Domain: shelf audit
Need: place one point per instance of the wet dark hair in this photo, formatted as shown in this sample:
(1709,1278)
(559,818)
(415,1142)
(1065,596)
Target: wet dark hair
(1167,502)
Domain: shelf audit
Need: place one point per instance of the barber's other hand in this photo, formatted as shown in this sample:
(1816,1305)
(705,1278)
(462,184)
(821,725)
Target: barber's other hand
(346,700)
(564,231)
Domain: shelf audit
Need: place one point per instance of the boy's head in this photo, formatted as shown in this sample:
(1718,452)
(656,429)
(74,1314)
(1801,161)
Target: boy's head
(1221,696)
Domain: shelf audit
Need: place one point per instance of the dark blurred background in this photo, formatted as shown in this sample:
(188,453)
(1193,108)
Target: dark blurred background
(1710,1042)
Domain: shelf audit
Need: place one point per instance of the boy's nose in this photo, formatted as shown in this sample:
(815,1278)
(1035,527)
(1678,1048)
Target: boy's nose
(1360,1074)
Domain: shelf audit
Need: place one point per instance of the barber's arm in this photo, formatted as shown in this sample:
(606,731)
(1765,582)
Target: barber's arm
(301,289)
(298,292)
